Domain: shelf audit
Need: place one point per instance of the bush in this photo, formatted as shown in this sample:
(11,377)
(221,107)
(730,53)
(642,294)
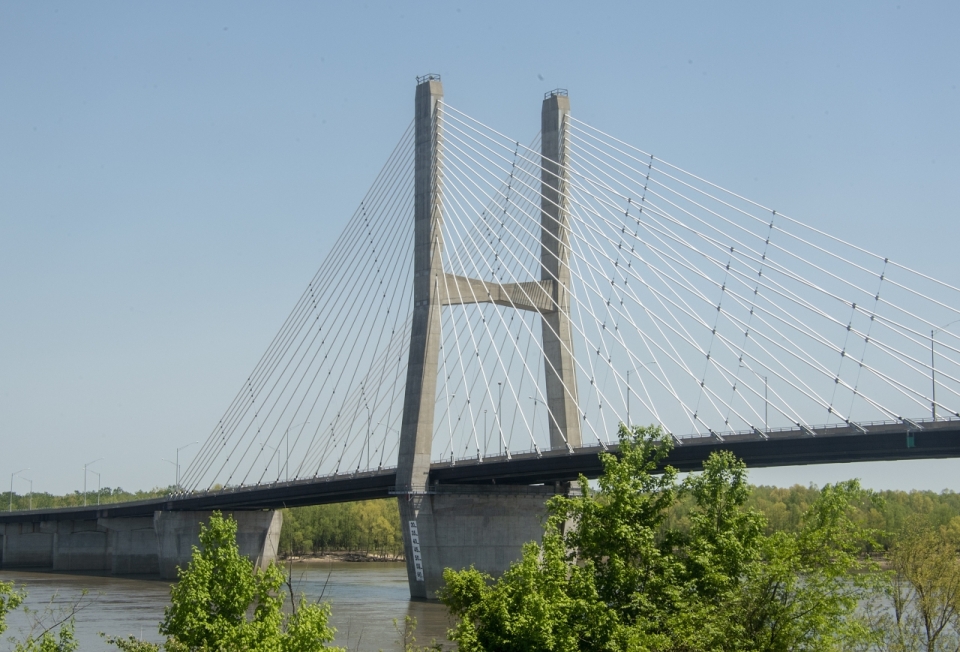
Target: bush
(626,577)
(211,603)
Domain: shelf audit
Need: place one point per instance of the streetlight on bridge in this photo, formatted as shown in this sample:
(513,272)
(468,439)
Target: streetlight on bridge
(30,495)
(533,420)
(276,451)
(99,459)
(98,485)
(176,486)
(12,476)
(178,461)
(933,370)
(500,418)
(486,432)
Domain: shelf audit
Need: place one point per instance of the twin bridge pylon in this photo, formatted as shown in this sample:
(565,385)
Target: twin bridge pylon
(473,526)
(435,288)
(549,290)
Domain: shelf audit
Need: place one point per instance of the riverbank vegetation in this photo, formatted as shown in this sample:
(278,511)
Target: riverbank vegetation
(656,563)
(221,602)
(373,527)
(105,496)
(370,528)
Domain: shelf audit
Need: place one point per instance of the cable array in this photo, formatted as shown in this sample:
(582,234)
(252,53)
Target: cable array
(326,397)
(691,307)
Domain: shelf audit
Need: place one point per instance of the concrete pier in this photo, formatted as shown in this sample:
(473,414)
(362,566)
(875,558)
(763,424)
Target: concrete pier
(459,526)
(129,546)
(416,429)
(258,534)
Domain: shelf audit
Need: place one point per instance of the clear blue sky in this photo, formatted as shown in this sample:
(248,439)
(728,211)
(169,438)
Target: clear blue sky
(171,174)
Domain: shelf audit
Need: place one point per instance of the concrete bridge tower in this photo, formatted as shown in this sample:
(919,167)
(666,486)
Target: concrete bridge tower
(481,525)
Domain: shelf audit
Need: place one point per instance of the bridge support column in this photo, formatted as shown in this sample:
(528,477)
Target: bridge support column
(558,367)
(28,545)
(130,546)
(458,526)
(81,545)
(482,526)
(416,430)
(258,535)
(133,545)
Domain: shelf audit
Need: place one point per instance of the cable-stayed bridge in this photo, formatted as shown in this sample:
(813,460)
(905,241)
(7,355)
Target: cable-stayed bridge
(550,289)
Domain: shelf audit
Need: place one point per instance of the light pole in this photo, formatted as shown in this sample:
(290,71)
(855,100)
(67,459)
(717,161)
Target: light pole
(933,371)
(176,488)
(486,433)
(368,435)
(533,421)
(766,405)
(85,478)
(12,476)
(286,436)
(500,418)
(178,461)
(30,495)
(276,452)
(98,485)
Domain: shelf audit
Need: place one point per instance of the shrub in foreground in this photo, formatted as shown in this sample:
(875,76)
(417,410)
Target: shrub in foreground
(622,579)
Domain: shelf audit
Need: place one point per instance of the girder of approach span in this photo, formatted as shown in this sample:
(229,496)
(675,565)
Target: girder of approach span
(885,442)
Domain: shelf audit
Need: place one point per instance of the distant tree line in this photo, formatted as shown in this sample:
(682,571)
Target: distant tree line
(371,527)
(657,563)
(106,495)
(374,526)
(887,512)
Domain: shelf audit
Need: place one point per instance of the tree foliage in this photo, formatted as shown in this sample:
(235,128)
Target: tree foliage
(51,629)
(222,603)
(923,591)
(10,599)
(627,576)
(106,495)
(372,527)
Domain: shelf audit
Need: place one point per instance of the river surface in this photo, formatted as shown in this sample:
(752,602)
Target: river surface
(365,597)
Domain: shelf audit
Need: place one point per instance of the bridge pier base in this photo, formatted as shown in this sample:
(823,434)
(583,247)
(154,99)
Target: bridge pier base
(258,535)
(458,526)
(133,545)
(28,545)
(129,546)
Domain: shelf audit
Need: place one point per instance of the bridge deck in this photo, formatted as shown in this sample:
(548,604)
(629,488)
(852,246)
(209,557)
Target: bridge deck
(885,442)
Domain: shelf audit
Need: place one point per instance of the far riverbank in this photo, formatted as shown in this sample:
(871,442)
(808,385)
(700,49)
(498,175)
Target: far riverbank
(336,556)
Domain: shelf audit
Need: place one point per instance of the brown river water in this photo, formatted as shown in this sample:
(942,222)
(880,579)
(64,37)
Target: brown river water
(365,598)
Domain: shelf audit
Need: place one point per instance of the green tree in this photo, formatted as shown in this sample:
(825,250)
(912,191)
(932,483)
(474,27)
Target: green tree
(211,603)
(631,576)
(51,630)
(924,590)
(371,526)
(10,599)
